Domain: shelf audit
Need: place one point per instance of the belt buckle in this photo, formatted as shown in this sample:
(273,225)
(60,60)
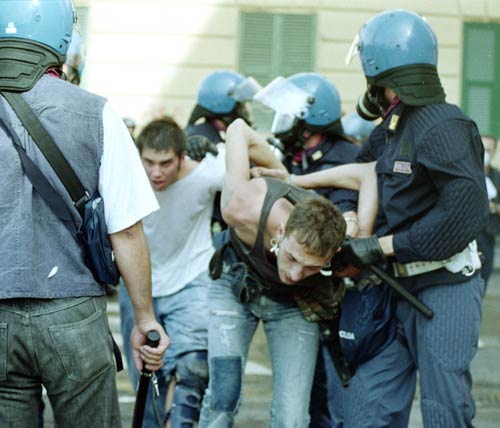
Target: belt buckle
(399,270)
(468,270)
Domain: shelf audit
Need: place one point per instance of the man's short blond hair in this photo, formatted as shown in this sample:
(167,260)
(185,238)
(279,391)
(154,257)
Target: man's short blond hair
(318,225)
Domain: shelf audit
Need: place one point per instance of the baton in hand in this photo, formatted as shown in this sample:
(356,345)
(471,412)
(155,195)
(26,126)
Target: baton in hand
(152,340)
(403,292)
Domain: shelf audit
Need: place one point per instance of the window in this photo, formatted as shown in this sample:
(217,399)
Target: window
(480,89)
(274,45)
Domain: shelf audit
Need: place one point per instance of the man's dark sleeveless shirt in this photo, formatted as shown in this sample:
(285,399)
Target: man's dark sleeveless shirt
(261,268)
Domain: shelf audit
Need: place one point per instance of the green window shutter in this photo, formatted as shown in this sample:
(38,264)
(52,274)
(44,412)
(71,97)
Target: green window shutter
(298,37)
(480,92)
(274,45)
(256,46)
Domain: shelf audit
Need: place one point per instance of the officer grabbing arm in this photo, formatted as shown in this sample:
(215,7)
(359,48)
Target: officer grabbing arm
(221,99)
(432,204)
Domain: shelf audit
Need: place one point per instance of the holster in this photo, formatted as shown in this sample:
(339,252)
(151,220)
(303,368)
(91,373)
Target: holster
(221,241)
(225,259)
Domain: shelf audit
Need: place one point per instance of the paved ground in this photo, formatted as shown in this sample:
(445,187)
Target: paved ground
(257,386)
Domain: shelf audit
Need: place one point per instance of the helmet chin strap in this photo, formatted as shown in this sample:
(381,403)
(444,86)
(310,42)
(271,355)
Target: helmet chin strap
(23,63)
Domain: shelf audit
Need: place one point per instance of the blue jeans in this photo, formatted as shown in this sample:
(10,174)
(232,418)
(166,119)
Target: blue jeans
(292,343)
(64,344)
(184,315)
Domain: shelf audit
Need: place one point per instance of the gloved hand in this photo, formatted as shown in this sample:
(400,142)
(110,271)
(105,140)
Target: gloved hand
(361,252)
(198,146)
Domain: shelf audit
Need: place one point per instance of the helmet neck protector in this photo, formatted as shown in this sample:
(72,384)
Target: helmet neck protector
(415,85)
(23,63)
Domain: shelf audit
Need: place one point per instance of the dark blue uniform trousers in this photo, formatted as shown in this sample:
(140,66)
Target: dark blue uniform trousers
(441,350)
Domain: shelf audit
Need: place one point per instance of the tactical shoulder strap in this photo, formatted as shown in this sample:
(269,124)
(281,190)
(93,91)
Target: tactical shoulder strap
(39,181)
(49,149)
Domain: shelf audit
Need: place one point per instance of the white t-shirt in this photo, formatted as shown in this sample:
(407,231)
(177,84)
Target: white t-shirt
(123,183)
(179,233)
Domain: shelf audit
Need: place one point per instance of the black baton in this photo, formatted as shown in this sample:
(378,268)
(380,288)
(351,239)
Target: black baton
(152,339)
(403,292)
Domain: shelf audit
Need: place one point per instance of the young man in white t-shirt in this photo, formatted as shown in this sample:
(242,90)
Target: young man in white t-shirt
(180,243)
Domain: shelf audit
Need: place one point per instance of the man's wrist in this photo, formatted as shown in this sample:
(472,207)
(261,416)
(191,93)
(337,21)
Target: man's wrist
(351,219)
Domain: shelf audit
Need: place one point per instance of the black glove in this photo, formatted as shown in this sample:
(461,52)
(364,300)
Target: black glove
(198,146)
(361,252)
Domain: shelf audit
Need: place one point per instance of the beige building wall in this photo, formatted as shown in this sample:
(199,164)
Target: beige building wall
(147,57)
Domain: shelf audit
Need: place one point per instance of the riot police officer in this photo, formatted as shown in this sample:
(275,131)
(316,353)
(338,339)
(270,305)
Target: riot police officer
(432,204)
(221,98)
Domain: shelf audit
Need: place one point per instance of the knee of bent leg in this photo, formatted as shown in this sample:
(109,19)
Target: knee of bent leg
(192,370)
(191,375)
(226,375)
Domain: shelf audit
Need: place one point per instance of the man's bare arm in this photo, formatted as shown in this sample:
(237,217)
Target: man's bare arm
(240,193)
(357,176)
(349,176)
(132,257)
(244,145)
(367,200)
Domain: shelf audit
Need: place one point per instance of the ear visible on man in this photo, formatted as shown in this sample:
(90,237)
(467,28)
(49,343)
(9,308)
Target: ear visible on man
(280,233)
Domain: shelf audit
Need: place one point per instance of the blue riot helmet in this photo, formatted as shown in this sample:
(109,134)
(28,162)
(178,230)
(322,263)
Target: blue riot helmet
(356,127)
(398,50)
(222,95)
(49,22)
(304,104)
(34,35)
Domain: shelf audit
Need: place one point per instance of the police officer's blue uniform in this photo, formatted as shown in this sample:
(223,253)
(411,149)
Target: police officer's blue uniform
(432,201)
(207,130)
(431,196)
(331,152)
